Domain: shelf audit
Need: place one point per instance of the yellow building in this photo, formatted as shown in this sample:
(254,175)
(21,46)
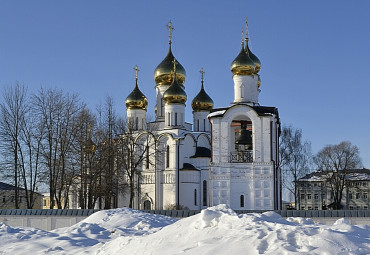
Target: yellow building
(7,198)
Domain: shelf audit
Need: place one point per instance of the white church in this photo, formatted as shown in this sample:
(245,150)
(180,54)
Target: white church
(227,155)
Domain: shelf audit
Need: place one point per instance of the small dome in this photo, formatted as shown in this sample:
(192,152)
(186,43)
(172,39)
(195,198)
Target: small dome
(163,74)
(259,81)
(175,94)
(255,60)
(89,146)
(242,64)
(136,99)
(202,102)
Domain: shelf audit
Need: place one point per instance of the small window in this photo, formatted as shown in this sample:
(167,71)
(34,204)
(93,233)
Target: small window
(309,208)
(302,196)
(167,156)
(357,195)
(316,208)
(302,207)
(147,157)
(204,193)
(44,202)
(137,123)
(351,207)
(364,195)
(195,196)
(4,199)
(350,195)
(204,124)
(365,207)
(364,184)
(358,207)
(315,184)
(316,196)
(309,196)
(175,118)
(241,200)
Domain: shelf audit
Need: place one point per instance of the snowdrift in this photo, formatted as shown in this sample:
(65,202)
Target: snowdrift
(216,230)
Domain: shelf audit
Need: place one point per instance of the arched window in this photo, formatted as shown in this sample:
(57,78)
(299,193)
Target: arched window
(198,125)
(175,118)
(147,157)
(167,156)
(241,200)
(195,196)
(136,123)
(204,125)
(204,193)
(169,119)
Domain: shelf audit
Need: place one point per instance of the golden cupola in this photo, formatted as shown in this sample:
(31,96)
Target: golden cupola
(163,74)
(243,64)
(175,94)
(202,102)
(254,58)
(136,99)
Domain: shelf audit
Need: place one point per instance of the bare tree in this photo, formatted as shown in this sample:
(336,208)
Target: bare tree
(295,158)
(57,112)
(335,161)
(13,111)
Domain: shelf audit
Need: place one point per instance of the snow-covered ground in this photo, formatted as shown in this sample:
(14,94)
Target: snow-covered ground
(216,230)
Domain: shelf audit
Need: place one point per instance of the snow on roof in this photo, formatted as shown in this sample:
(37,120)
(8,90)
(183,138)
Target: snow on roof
(216,230)
(351,175)
(216,113)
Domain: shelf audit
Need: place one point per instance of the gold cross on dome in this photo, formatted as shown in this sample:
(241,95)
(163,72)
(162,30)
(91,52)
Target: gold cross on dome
(246,29)
(136,68)
(242,37)
(202,74)
(174,64)
(170,29)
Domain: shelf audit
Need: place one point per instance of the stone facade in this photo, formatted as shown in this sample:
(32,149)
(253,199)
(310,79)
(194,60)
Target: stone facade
(314,192)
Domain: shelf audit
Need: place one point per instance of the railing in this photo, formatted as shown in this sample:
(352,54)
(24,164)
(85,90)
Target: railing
(241,157)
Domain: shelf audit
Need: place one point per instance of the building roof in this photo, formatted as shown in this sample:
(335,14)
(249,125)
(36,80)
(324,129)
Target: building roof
(351,175)
(6,186)
(202,152)
(260,110)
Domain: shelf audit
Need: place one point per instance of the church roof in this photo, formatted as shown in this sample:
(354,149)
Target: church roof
(202,152)
(188,166)
(260,110)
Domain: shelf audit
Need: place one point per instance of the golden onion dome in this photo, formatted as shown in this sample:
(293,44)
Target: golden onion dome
(202,102)
(175,94)
(259,81)
(136,99)
(254,58)
(242,64)
(163,74)
(89,146)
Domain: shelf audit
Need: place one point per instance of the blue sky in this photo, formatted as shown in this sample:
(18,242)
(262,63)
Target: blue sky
(315,54)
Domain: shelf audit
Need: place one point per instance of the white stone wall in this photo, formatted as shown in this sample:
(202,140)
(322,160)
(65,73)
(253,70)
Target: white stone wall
(246,89)
(201,122)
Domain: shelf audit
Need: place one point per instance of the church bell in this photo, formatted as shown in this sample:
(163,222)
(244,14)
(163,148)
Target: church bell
(244,137)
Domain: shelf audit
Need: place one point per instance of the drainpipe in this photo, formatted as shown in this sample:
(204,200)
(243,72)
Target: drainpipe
(178,175)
